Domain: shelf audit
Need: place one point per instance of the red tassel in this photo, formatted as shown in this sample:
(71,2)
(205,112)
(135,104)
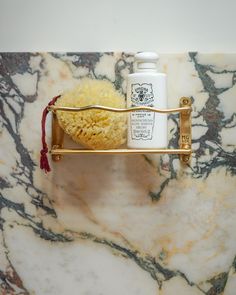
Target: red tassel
(44,164)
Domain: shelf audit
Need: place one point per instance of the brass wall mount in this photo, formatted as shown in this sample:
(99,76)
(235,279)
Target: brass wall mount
(185,138)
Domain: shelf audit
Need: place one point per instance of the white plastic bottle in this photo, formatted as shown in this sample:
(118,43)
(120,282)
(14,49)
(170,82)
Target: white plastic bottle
(147,87)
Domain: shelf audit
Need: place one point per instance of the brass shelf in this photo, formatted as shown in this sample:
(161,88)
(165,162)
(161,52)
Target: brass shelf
(185,139)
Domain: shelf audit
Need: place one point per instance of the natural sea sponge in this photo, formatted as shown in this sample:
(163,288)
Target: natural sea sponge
(95,129)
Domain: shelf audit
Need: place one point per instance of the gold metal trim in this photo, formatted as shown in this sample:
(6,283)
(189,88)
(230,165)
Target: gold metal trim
(116,110)
(56,151)
(184,142)
(57,138)
(185,126)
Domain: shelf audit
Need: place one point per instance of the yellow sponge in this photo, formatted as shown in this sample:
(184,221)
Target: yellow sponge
(95,129)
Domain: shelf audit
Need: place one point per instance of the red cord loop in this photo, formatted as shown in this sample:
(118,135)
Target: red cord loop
(44,164)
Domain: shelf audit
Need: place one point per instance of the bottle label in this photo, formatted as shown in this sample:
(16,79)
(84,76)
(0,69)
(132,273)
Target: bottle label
(142,122)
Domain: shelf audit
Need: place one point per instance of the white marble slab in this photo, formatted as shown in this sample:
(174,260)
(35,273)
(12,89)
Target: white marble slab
(131,225)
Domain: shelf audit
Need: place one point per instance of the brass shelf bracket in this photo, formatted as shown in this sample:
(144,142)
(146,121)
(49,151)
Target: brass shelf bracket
(185,127)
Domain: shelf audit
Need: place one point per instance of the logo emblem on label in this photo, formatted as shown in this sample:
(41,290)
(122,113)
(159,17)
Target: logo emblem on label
(142,94)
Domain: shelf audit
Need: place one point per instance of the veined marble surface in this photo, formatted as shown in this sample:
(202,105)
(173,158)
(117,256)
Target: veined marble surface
(131,225)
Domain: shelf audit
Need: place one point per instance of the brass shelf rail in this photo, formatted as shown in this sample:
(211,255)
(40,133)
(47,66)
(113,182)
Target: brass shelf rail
(115,110)
(185,138)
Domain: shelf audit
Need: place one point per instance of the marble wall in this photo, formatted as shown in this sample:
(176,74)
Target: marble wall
(131,225)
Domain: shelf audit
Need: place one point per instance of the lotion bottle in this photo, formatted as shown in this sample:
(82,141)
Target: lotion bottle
(146,87)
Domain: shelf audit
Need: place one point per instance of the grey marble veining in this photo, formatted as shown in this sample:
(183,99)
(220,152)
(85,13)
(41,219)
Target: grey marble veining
(118,224)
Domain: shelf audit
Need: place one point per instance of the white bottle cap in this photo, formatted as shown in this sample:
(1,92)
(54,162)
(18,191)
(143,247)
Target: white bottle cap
(146,60)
